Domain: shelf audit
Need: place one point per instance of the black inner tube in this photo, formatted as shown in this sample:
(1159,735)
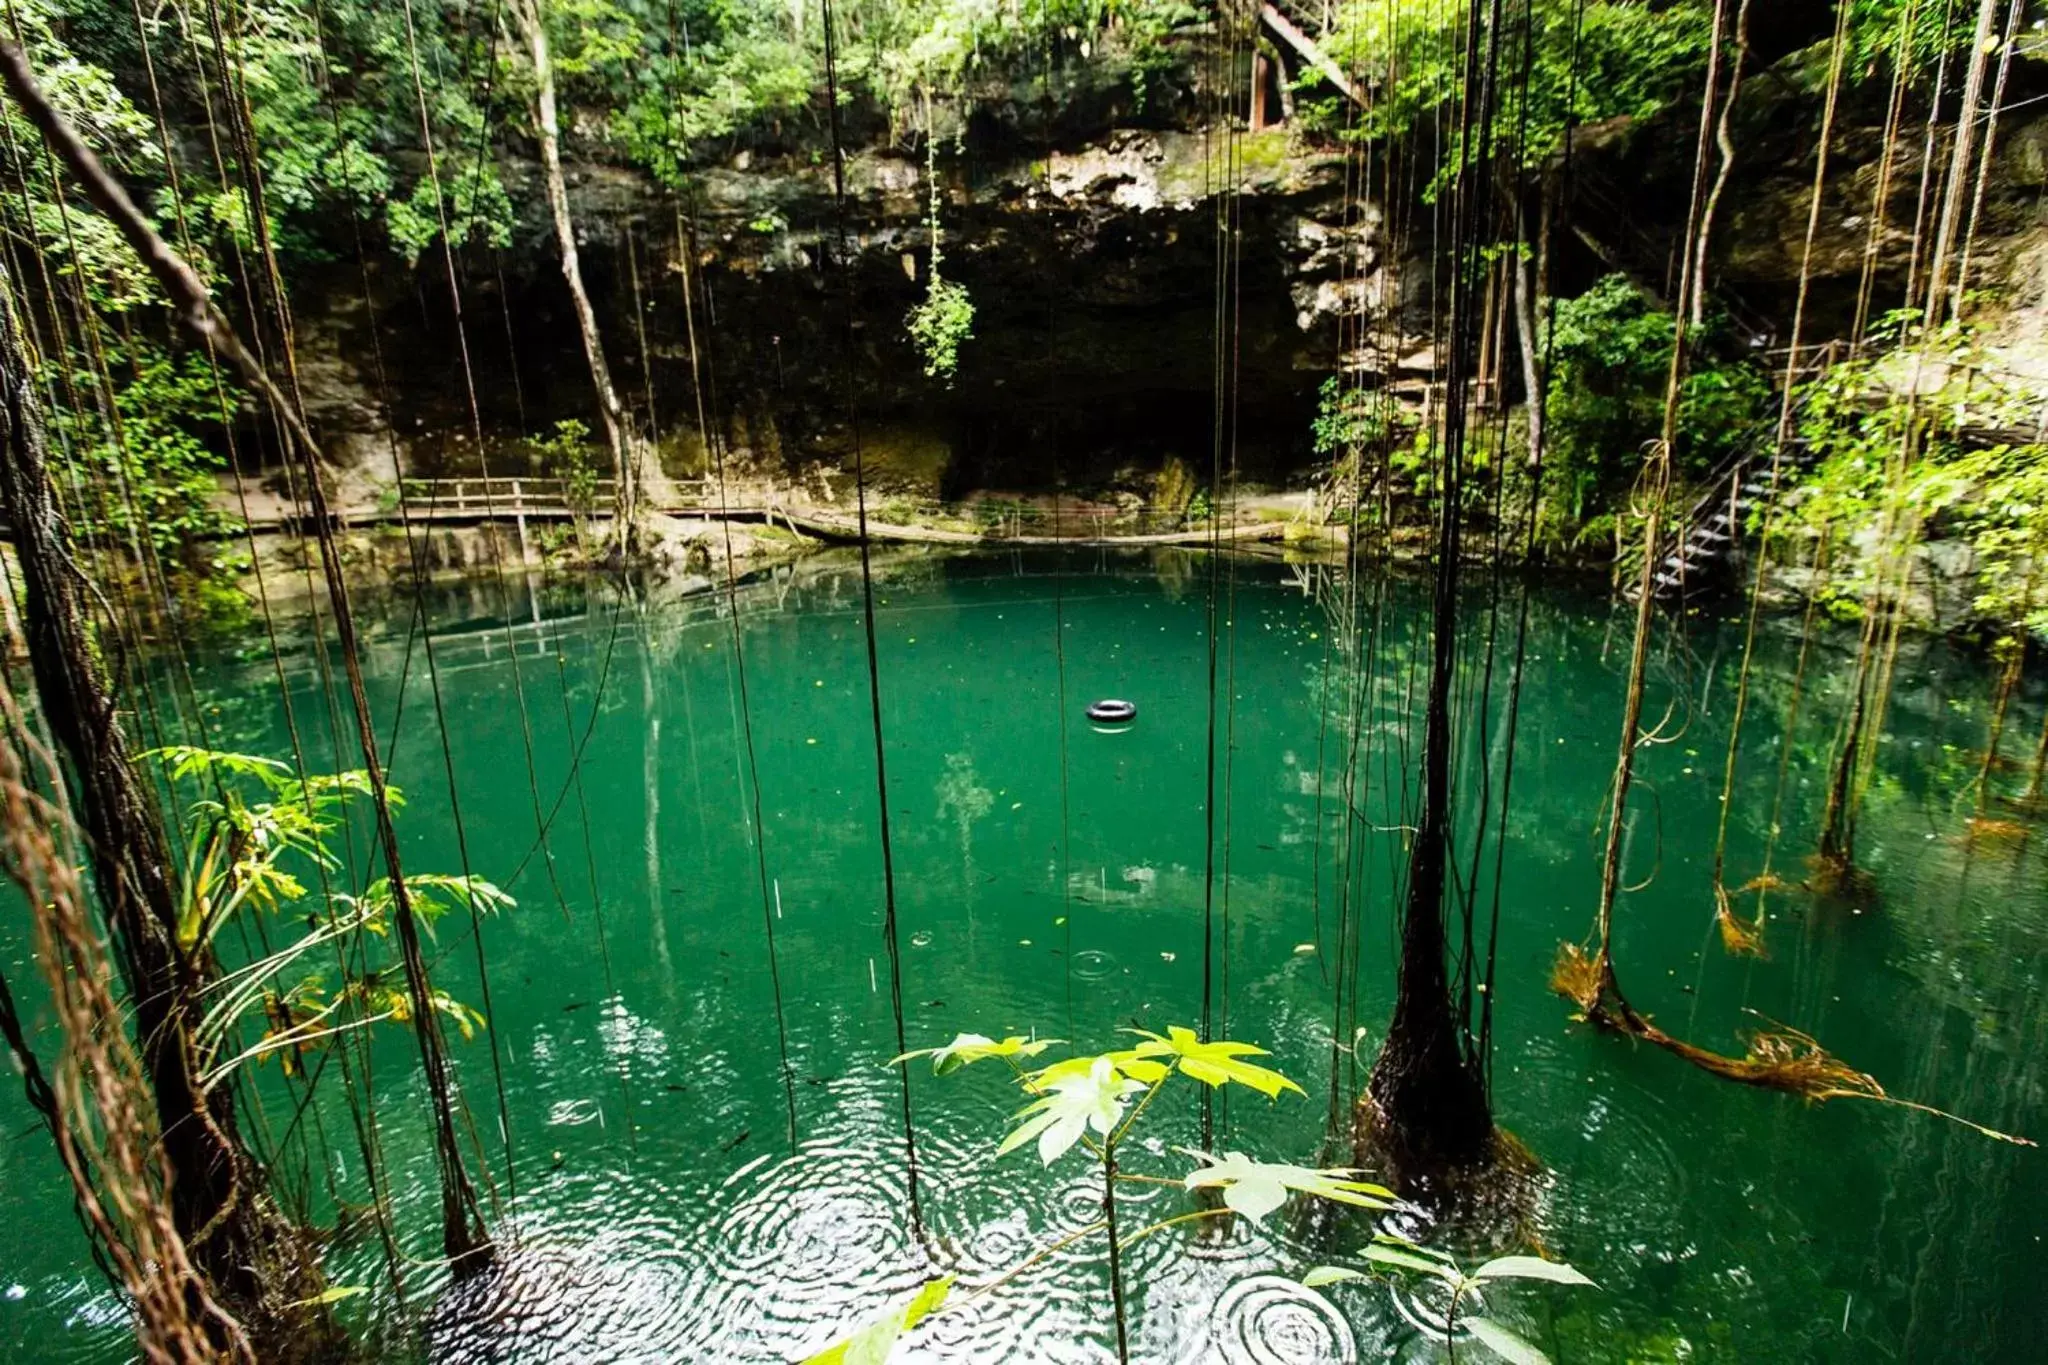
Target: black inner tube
(1112,711)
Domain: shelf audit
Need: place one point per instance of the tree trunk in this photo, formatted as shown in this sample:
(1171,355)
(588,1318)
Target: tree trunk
(1724,140)
(1427,1111)
(1533,396)
(259,1266)
(618,437)
(1959,165)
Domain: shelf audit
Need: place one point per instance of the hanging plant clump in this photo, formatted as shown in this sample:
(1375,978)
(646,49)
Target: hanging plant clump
(945,318)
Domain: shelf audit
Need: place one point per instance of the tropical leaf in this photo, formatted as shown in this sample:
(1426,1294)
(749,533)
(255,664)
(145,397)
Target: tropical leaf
(1214,1064)
(1331,1274)
(436,892)
(968,1048)
(1256,1188)
(1141,1069)
(875,1340)
(1505,1344)
(1072,1103)
(1529,1268)
(1407,1256)
(186,760)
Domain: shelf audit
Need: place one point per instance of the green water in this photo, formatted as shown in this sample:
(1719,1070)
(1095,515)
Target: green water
(660,1210)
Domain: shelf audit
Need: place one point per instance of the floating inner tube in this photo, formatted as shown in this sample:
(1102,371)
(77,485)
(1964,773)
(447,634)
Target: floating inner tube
(1112,711)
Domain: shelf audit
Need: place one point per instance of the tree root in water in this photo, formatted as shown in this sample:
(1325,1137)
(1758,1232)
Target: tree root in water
(1739,936)
(1493,1198)
(1840,880)
(1779,1058)
(1982,829)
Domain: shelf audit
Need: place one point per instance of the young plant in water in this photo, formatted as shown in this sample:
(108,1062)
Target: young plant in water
(254,829)
(1406,1258)
(1094,1102)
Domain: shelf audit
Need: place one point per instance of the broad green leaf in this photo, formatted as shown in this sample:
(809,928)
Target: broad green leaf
(1214,1064)
(1141,1069)
(1505,1344)
(1384,1253)
(967,1048)
(1331,1274)
(1256,1188)
(875,1340)
(1071,1105)
(1529,1268)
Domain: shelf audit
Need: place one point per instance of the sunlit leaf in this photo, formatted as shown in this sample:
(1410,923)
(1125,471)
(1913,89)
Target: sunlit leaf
(1529,1268)
(1073,1103)
(1407,1257)
(1256,1188)
(1216,1063)
(1141,1069)
(1505,1344)
(1331,1274)
(875,1340)
(967,1048)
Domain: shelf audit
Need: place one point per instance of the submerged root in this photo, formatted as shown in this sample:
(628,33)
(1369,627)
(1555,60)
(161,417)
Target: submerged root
(1983,830)
(1491,1200)
(1768,881)
(1742,937)
(1576,977)
(1840,880)
(1778,1058)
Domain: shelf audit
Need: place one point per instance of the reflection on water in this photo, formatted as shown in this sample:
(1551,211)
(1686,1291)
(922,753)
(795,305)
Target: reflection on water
(657,1209)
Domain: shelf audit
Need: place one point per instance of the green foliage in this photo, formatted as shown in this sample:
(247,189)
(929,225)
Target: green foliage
(1094,1101)
(256,834)
(1070,1102)
(875,1341)
(973,1047)
(1213,1064)
(1885,34)
(945,317)
(1610,363)
(1147,29)
(1350,419)
(1628,58)
(1927,435)
(567,451)
(149,472)
(939,324)
(1257,1188)
(1394,1254)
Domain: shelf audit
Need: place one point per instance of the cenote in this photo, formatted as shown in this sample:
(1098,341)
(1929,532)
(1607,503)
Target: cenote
(878,682)
(669,1197)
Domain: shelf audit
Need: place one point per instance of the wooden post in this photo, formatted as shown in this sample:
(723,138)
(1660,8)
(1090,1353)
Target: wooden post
(519,520)
(1262,113)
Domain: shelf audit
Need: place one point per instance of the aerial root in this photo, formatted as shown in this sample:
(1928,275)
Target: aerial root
(1777,1058)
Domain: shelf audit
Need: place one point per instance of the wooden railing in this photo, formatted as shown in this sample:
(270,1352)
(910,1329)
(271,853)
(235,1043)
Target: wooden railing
(506,496)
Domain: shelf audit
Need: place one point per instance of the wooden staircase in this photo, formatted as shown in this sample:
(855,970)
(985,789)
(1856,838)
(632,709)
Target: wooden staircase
(1700,549)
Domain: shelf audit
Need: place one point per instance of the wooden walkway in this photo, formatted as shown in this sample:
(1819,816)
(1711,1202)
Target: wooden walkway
(517,501)
(846,530)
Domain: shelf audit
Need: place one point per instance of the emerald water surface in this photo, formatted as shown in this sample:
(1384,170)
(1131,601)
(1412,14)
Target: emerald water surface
(670,1198)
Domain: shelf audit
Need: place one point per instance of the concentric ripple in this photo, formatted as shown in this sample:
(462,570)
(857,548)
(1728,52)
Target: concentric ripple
(1271,1320)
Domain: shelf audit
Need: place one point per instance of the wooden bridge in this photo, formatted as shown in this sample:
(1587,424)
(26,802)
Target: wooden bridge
(518,500)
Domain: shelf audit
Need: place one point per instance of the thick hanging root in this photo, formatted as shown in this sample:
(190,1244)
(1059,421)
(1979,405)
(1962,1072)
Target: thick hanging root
(1779,1058)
